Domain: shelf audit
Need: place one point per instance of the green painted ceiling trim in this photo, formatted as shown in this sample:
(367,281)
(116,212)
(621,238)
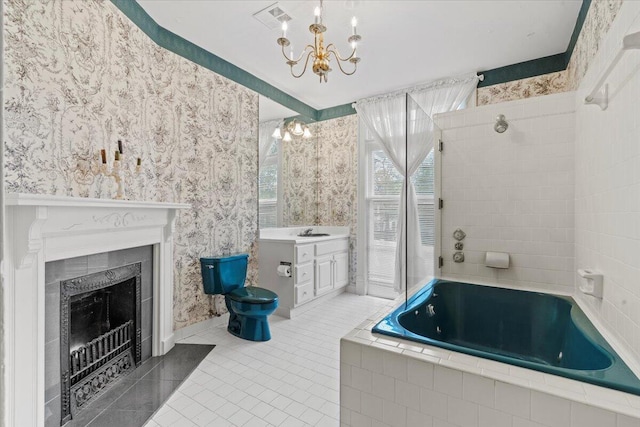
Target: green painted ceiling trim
(335,112)
(523,70)
(192,52)
(540,66)
(582,16)
(188,50)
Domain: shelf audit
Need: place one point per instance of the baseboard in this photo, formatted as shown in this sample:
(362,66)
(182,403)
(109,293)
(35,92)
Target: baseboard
(196,328)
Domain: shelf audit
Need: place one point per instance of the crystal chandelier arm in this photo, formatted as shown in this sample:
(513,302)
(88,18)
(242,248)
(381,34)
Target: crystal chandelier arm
(339,62)
(306,62)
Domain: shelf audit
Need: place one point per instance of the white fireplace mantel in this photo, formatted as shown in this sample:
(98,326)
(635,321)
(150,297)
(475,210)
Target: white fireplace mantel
(44,228)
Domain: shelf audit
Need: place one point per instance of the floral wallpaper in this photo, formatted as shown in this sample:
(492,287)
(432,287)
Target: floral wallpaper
(525,88)
(338,179)
(299,180)
(597,23)
(599,18)
(320,178)
(79,76)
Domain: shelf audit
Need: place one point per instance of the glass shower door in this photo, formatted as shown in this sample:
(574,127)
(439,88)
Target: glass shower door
(421,206)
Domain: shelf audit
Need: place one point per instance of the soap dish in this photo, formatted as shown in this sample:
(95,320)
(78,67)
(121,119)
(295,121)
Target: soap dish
(592,282)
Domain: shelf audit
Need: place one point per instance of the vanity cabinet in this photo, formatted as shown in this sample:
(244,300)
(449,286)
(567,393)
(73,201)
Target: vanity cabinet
(331,266)
(319,268)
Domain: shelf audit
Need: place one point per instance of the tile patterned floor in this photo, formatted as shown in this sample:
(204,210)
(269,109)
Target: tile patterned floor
(291,380)
(131,401)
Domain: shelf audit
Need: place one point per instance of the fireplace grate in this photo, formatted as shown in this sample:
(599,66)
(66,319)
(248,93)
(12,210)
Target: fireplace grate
(88,365)
(99,351)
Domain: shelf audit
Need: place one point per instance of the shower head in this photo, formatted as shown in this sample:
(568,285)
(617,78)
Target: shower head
(501,124)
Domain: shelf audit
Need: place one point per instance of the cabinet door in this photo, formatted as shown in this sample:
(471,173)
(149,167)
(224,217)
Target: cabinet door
(341,269)
(324,273)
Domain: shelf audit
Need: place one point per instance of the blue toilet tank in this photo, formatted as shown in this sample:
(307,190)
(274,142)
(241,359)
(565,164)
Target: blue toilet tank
(223,274)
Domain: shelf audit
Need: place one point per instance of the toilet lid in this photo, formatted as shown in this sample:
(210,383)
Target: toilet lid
(253,295)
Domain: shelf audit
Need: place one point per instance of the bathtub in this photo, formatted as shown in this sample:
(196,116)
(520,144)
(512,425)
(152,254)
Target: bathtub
(538,331)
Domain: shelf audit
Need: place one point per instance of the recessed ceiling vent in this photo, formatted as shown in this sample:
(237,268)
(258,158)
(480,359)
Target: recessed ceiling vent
(273,16)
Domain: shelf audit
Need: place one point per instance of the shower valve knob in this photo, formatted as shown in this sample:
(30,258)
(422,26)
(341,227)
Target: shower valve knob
(458,246)
(459,234)
(458,257)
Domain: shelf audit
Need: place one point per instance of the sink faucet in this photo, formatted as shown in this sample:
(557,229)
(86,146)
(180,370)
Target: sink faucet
(307,232)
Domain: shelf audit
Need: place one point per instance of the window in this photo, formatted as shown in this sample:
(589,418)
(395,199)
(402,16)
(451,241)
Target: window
(384,185)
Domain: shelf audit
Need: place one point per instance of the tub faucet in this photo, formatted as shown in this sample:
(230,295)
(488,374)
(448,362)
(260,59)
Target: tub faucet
(307,232)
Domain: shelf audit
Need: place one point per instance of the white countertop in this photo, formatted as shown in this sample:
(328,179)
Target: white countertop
(290,234)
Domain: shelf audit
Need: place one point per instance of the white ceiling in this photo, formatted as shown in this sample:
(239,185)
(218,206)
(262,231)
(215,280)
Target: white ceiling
(404,42)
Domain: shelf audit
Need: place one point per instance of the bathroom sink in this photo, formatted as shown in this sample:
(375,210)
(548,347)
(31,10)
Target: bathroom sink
(313,235)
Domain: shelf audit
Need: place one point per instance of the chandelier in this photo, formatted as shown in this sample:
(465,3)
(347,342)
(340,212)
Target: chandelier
(294,127)
(318,52)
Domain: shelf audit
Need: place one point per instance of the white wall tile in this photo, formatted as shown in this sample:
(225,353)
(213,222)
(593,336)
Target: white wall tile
(361,379)
(418,419)
(513,399)
(420,373)
(447,381)
(357,420)
(521,422)
(478,389)
(383,387)
(488,417)
(441,423)
(550,410)
(433,403)
(589,416)
(394,365)
(625,421)
(371,405)
(372,359)
(394,414)
(462,413)
(408,394)
(484,172)
(350,353)
(350,398)
(606,180)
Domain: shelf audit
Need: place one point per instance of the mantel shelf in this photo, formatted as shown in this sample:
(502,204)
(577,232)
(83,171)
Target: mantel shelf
(22,199)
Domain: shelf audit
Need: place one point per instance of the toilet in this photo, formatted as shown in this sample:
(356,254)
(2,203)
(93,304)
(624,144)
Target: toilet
(248,306)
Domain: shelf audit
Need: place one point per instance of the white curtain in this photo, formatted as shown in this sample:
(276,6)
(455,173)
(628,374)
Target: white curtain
(401,120)
(265,139)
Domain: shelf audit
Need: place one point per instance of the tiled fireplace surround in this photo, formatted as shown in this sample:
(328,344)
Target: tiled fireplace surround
(51,238)
(57,271)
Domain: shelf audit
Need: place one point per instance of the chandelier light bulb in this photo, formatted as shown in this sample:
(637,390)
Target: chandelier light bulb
(297,129)
(287,137)
(285,26)
(354,22)
(316,13)
(307,133)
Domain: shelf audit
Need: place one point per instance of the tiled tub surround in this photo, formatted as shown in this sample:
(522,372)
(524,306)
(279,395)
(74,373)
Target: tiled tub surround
(392,382)
(511,192)
(43,229)
(57,271)
(543,332)
(607,163)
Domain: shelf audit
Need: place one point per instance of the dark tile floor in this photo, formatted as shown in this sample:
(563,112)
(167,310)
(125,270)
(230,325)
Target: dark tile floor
(132,401)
